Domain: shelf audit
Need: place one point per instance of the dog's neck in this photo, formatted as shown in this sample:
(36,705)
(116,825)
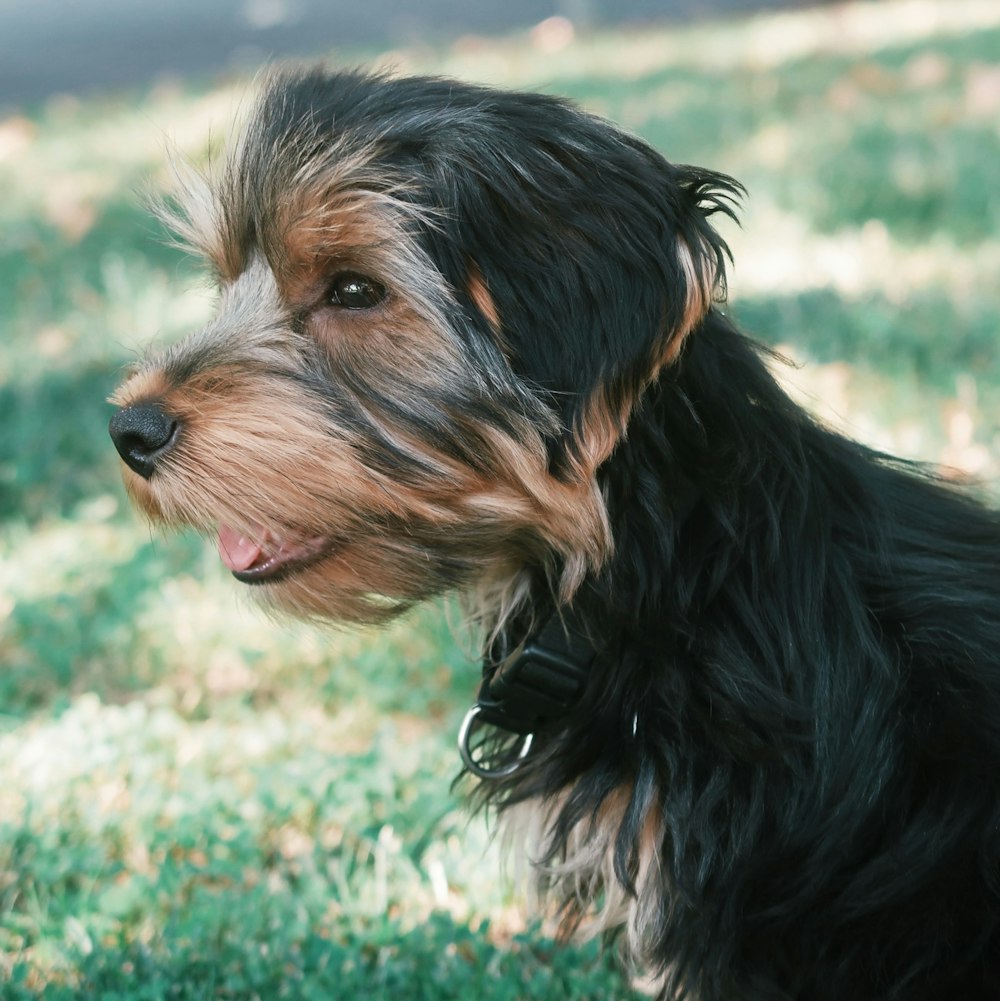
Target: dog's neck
(535,682)
(672,487)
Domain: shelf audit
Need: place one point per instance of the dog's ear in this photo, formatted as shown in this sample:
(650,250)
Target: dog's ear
(586,255)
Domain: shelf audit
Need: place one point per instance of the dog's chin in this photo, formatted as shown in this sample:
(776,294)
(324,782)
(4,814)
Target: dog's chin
(261,557)
(324,578)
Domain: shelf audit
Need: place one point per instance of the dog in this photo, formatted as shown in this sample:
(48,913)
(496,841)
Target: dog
(740,702)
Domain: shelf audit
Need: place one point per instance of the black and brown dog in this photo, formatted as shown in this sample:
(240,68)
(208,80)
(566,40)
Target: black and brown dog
(742,675)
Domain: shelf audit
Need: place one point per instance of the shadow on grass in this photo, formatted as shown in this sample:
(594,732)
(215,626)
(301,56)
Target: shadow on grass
(441,960)
(915,181)
(929,335)
(41,267)
(55,450)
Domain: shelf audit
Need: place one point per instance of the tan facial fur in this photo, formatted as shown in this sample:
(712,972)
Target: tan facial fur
(262,445)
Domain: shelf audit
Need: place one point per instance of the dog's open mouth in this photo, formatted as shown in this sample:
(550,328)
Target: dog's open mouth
(265,558)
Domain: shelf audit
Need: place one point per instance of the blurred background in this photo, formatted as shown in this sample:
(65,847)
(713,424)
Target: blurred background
(49,46)
(196,802)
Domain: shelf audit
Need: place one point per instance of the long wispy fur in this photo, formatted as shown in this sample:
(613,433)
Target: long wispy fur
(783,778)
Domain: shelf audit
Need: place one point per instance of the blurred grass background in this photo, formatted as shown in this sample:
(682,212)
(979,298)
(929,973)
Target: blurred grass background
(199,803)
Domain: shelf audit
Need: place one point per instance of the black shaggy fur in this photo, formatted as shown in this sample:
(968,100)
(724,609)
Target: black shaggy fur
(798,682)
(812,659)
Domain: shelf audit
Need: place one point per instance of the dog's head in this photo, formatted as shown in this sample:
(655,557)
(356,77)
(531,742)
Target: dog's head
(439,304)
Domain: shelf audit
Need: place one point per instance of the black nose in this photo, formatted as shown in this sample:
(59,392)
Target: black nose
(142,434)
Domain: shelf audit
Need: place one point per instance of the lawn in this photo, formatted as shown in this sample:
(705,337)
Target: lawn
(198,802)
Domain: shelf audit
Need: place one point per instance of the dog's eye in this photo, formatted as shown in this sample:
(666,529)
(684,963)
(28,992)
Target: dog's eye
(353,291)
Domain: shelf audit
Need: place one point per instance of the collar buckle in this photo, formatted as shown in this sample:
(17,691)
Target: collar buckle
(537,682)
(541,680)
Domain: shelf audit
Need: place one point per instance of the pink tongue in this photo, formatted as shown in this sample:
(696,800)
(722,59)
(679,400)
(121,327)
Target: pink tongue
(237,551)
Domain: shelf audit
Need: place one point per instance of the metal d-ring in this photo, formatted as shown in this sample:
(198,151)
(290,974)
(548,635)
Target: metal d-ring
(465,734)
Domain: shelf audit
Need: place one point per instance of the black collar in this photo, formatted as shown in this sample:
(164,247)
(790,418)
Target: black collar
(526,690)
(541,679)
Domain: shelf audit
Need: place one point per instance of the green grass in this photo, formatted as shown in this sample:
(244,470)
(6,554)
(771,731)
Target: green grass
(196,802)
